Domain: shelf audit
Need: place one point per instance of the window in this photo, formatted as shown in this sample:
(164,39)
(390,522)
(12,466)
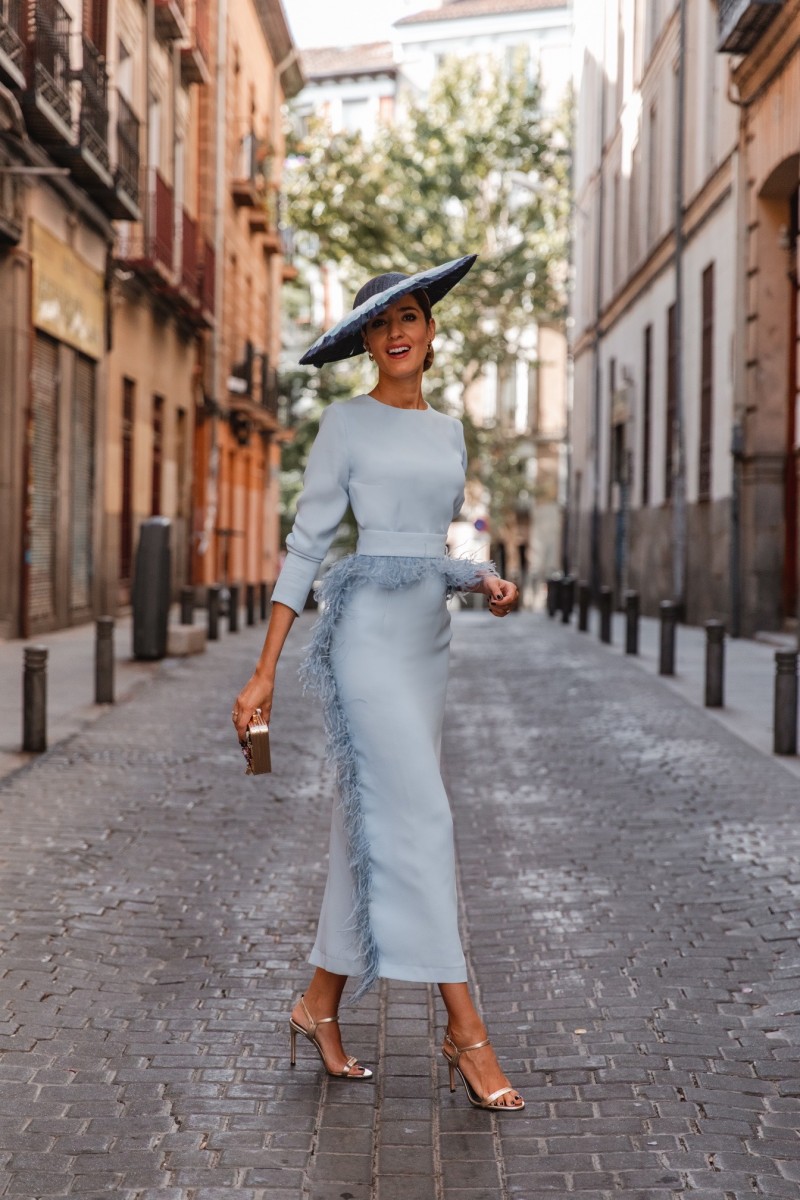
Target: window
(647,410)
(672,383)
(158,456)
(181,449)
(706,385)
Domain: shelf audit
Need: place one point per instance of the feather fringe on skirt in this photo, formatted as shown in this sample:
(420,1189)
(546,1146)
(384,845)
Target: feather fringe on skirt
(317,675)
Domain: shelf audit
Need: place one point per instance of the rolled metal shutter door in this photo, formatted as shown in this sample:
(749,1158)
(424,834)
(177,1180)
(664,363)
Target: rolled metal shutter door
(44,483)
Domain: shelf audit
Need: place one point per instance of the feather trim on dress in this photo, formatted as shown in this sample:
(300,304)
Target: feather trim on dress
(317,675)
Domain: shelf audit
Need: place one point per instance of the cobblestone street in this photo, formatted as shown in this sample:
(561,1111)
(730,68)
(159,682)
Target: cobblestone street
(630,874)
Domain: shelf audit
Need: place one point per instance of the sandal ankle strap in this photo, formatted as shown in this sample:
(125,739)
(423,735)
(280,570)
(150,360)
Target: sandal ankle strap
(464,1049)
(312,1024)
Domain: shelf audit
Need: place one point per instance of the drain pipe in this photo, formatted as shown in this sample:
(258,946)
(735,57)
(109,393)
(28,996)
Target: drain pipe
(597,369)
(678,428)
(217,375)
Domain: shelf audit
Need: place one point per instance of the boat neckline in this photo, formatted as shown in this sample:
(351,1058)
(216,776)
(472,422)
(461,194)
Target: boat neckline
(395,407)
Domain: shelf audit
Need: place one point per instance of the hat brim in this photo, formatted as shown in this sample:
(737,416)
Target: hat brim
(344,339)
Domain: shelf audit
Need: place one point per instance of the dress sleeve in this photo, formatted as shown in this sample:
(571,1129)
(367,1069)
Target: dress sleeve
(459,500)
(320,508)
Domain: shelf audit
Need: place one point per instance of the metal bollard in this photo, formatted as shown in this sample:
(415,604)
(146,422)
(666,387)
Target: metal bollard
(233,608)
(584,595)
(250,593)
(104,661)
(567,598)
(187,605)
(785,717)
(715,664)
(668,611)
(263,599)
(34,699)
(551,596)
(605,614)
(213,612)
(631,622)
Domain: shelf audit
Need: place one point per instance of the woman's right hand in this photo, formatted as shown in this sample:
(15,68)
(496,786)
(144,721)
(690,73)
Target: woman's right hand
(256,693)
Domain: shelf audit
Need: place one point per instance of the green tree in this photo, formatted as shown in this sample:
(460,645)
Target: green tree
(476,166)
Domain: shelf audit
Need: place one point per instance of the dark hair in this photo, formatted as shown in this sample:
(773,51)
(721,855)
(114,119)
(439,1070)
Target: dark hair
(422,300)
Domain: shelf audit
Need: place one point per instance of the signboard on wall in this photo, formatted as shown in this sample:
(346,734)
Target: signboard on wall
(68,295)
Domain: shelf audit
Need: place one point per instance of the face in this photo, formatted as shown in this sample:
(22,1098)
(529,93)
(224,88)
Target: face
(398,338)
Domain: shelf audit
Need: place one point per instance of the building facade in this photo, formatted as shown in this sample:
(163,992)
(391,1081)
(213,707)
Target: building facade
(58,194)
(657,175)
(764,44)
(115,343)
(685,307)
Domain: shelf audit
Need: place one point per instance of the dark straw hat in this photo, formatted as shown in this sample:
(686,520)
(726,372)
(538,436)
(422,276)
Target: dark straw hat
(345,341)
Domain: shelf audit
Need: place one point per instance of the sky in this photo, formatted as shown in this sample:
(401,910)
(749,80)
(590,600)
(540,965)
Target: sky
(328,23)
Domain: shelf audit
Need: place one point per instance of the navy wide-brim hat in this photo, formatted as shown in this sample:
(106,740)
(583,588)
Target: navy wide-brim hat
(344,339)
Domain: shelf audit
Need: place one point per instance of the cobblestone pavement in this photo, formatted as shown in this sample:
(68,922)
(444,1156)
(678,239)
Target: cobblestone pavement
(630,874)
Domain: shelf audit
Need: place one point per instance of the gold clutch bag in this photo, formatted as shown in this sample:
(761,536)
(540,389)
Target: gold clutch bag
(255,747)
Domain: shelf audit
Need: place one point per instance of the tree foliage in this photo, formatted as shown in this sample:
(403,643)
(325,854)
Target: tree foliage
(475,166)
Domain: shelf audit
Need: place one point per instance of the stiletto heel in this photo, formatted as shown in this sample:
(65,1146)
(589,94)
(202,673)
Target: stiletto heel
(311,1034)
(292,1044)
(473,1097)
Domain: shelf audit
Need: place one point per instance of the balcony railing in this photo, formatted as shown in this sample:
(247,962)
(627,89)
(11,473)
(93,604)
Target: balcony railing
(190,274)
(742,22)
(47,97)
(128,161)
(170,20)
(12,42)
(94,104)
(160,221)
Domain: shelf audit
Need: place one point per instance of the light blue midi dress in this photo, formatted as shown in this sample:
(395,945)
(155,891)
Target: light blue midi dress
(379,660)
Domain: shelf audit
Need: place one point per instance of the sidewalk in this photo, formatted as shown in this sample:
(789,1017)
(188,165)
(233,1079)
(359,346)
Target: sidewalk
(70,685)
(749,675)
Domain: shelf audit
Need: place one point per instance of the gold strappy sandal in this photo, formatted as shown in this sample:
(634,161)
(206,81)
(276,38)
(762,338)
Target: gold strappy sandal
(310,1033)
(472,1095)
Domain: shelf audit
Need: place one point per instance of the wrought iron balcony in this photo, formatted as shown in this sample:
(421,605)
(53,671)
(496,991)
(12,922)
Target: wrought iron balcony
(12,43)
(189,266)
(249,181)
(195,57)
(170,20)
(46,101)
(89,158)
(148,246)
(128,161)
(742,22)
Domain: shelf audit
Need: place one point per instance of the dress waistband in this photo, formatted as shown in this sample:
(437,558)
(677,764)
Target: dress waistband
(390,542)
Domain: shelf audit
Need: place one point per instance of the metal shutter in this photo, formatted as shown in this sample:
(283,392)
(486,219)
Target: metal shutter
(82,485)
(44,482)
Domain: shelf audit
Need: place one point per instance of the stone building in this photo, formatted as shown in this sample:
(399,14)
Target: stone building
(239,428)
(763,42)
(685,307)
(59,190)
(657,175)
(133,353)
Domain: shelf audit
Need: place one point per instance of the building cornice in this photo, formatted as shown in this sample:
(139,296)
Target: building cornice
(285,54)
(779,44)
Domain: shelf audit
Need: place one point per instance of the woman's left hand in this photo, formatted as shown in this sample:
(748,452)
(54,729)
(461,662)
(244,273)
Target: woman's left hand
(502,594)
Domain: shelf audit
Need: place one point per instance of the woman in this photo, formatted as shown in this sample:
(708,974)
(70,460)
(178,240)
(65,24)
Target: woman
(379,659)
